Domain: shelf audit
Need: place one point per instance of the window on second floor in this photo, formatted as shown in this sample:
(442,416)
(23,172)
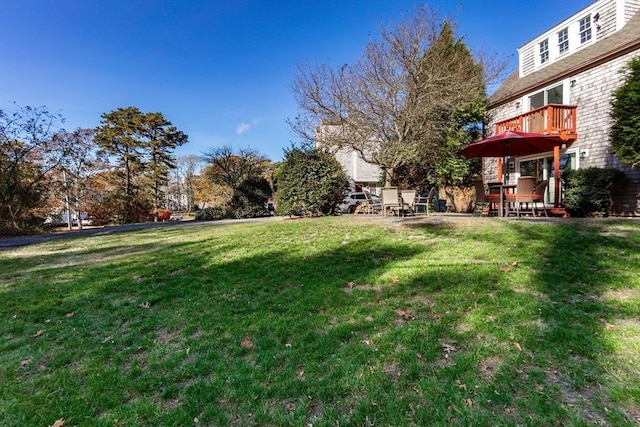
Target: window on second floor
(563,40)
(585,29)
(544,51)
(552,95)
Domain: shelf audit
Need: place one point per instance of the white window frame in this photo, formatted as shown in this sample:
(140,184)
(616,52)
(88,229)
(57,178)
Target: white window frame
(586,30)
(563,41)
(543,47)
(565,94)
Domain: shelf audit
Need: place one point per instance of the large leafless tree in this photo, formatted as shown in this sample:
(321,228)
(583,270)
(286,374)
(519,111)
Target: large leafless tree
(391,104)
(230,167)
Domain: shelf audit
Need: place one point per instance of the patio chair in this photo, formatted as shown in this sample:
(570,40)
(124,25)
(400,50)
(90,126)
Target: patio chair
(523,195)
(409,199)
(366,207)
(424,202)
(390,199)
(490,200)
(538,194)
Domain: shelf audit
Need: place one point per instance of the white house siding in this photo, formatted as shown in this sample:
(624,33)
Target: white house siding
(358,171)
(527,59)
(612,16)
(608,21)
(630,8)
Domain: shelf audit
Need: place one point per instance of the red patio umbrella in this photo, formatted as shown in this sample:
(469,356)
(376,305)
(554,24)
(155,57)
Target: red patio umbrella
(512,143)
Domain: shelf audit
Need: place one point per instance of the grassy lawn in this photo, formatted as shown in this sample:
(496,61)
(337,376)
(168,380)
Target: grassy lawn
(326,322)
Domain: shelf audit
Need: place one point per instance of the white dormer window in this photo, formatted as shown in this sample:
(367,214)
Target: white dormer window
(585,29)
(544,51)
(563,40)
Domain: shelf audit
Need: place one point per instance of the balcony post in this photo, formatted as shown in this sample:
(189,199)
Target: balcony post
(549,124)
(556,174)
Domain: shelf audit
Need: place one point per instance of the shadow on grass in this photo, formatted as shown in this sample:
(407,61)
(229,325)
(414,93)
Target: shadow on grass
(580,365)
(417,324)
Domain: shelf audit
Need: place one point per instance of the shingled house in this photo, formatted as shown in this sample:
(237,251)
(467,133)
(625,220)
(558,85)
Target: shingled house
(564,84)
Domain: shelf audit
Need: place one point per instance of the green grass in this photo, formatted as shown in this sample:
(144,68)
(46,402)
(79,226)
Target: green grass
(325,322)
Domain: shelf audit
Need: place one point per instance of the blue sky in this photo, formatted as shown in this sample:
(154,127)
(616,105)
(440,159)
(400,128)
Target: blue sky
(220,70)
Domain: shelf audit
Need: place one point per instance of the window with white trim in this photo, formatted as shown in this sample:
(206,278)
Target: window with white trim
(563,40)
(544,51)
(552,95)
(585,29)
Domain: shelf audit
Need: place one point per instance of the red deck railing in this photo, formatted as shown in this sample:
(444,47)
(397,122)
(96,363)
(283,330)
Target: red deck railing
(550,119)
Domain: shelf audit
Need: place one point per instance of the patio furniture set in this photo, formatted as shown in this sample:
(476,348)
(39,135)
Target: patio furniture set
(399,202)
(503,199)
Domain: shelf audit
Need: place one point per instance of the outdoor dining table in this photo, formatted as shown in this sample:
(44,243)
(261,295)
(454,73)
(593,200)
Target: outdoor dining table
(403,208)
(502,189)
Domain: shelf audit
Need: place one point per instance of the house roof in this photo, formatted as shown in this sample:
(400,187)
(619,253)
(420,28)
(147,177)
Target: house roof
(621,42)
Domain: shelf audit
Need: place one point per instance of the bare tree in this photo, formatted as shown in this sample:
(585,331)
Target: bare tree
(79,165)
(188,167)
(389,105)
(231,168)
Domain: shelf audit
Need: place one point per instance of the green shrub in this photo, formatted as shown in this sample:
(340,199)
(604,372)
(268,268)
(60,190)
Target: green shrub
(250,198)
(309,182)
(213,213)
(250,212)
(588,192)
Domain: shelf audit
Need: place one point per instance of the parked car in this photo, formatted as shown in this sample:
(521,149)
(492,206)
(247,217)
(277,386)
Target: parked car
(351,200)
(376,202)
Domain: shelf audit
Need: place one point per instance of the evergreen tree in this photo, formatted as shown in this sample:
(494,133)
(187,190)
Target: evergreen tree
(160,139)
(625,132)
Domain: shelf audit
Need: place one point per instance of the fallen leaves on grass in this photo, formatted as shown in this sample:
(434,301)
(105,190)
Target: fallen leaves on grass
(448,349)
(608,325)
(508,269)
(289,407)
(70,314)
(145,305)
(37,334)
(246,342)
(58,423)
(26,362)
(405,314)
(395,279)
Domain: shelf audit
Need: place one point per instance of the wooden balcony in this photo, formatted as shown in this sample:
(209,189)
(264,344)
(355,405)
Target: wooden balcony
(550,119)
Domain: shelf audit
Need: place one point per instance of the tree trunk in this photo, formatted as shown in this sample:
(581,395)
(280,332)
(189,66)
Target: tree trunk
(459,199)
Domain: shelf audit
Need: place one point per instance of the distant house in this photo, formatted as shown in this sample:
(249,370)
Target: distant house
(564,84)
(362,174)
